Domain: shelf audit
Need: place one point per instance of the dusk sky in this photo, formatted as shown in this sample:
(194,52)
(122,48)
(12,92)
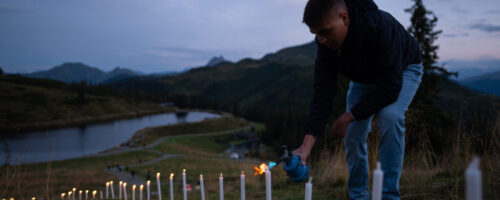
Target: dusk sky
(165,35)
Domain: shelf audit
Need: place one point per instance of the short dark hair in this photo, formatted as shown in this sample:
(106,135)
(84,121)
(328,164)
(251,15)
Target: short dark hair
(316,10)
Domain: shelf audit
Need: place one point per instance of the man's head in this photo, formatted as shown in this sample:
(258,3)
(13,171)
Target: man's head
(328,20)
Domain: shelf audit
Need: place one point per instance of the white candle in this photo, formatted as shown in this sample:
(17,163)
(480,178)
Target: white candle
(202,188)
(125,191)
(148,192)
(100,194)
(140,191)
(120,185)
(268,184)
(473,186)
(80,195)
(242,185)
(86,194)
(74,193)
(133,192)
(62,196)
(93,194)
(159,185)
(112,190)
(171,186)
(107,190)
(70,194)
(378,181)
(184,184)
(221,187)
(309,189)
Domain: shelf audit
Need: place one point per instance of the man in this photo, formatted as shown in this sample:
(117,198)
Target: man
(383,62)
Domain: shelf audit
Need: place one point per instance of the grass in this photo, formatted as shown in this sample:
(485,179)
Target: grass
(48,180)
(224,123)
(34,104)
(201,155)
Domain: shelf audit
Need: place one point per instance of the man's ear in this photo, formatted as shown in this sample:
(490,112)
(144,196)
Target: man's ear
(345,17)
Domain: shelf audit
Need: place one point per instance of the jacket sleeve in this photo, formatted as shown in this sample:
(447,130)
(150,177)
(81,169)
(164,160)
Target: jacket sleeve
(389,73)
(324,89)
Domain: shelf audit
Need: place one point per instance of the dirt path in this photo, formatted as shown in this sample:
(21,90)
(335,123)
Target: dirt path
(124,149)
(137,179)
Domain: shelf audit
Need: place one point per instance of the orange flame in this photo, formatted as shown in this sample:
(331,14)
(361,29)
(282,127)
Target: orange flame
(260,170)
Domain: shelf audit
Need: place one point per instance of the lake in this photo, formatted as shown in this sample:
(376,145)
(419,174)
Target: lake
(72,142)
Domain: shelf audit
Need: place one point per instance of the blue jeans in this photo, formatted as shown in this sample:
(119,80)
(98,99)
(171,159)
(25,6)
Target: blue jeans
(392,137)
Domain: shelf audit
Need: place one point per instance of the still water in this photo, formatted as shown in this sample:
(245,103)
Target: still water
(74,142)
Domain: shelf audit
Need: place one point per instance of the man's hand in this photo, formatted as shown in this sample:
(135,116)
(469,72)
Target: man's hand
(339,129)
(305,149)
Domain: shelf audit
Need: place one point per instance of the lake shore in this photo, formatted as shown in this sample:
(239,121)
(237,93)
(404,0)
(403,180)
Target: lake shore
(13,129)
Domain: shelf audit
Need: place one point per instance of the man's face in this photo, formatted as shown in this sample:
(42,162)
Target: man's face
(333,29)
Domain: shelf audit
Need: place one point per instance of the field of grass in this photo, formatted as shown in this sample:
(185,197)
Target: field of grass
(28,104)
(201,154)
(211,125)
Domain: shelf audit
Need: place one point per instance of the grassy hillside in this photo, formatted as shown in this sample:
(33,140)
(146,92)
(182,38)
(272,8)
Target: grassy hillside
(32,104)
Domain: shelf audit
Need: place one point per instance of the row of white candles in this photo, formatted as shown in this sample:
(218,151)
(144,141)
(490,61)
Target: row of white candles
(472,177)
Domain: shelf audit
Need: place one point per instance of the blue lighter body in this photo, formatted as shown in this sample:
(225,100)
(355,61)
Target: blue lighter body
(293,166)
(297,171)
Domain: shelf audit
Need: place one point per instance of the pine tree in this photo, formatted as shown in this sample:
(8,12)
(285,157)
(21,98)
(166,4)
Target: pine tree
(428,121)
(422,27)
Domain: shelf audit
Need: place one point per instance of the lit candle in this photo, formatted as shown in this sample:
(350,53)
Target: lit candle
(159,185)
(69,194)
(125,190)
(378,181)
(80,195)
(62,196)
(86,194)
(33,198)
(184,184)
(74,193)
(309,189)
(202,188)
(221,187)
(107,190)
(93,194)
(133,192)
(112,190)
(473,181)
(120,185)
(242,185)
(268,184)
(147,188)
(140,191)
(171,186)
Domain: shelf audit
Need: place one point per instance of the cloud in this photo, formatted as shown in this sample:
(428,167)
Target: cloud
(454,35)
(490,28)
(12,9)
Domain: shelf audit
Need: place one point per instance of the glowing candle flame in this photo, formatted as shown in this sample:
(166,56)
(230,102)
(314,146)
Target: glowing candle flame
(171,175)
(157,175)
(260,170)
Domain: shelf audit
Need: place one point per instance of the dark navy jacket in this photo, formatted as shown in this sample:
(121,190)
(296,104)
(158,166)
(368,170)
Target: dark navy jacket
(376,50)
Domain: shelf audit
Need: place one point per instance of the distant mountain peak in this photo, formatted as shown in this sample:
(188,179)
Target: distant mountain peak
(71,72)
(216,60)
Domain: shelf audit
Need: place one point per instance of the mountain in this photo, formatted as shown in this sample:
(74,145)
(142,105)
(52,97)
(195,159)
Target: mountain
(487,83)
(471,68)
(280,79)
(77,72)
(283,79)
(215,61)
